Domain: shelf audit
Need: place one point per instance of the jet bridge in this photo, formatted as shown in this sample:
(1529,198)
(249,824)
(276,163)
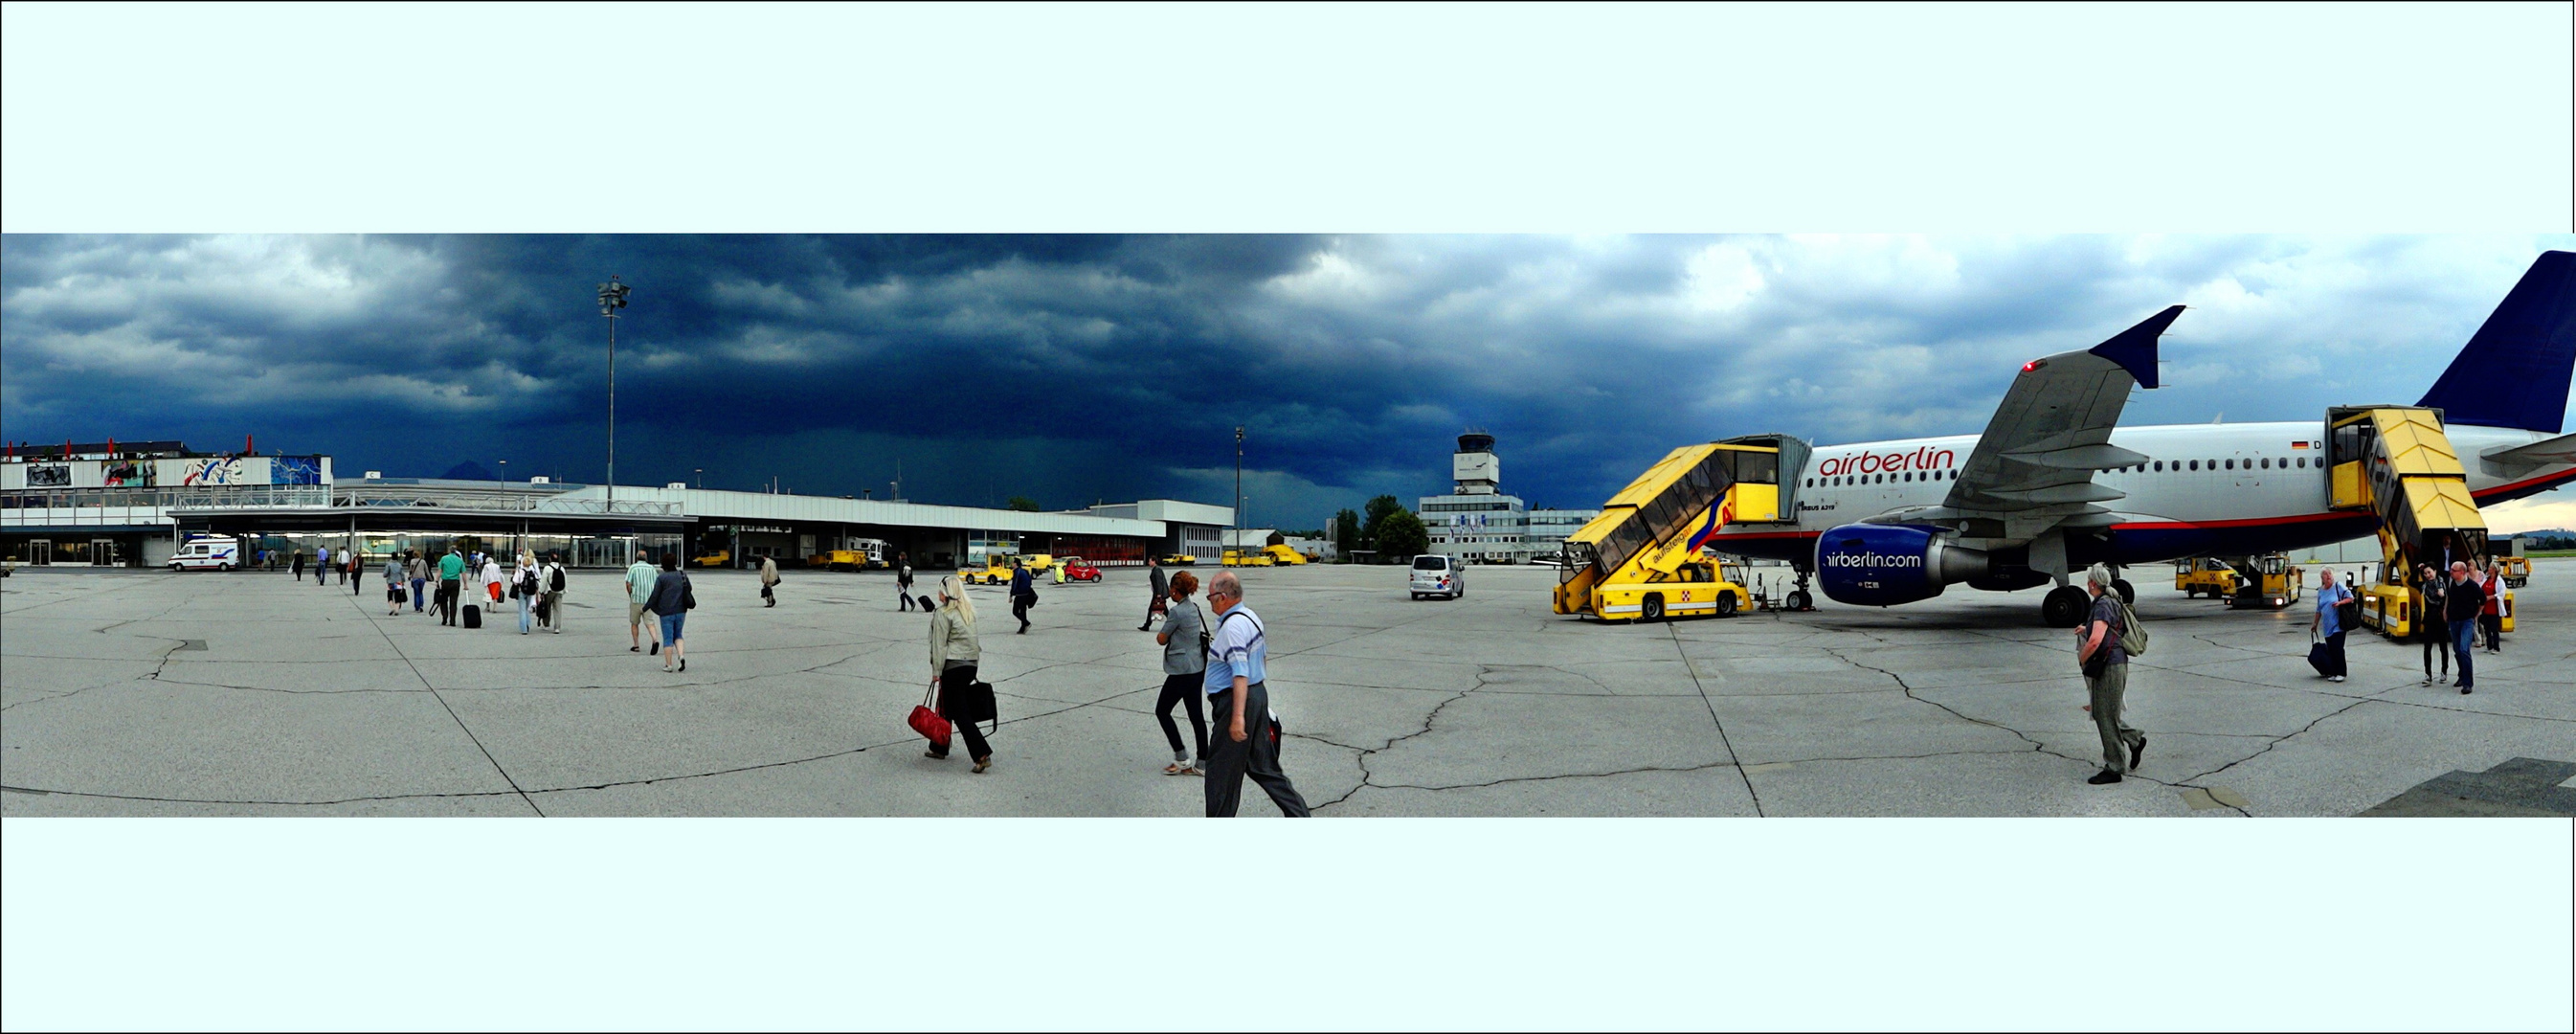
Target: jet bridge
(2396,463)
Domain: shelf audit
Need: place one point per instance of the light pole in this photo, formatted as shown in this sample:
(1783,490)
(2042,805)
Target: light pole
(1238,492)
(701,472)
(612,297)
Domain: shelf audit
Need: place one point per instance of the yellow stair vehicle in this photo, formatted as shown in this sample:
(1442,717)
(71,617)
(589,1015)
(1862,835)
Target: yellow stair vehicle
(1641,560)
(2206,576)
(2396,462)
(1284,556)
(1236,558)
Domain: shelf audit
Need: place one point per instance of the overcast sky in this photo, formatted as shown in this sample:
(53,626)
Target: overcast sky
(1071,369)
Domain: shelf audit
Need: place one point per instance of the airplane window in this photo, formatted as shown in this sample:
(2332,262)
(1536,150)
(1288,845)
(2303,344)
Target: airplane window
(2267,463)
(2195,464)
(2231,464)
(2160,466)
(2303,463)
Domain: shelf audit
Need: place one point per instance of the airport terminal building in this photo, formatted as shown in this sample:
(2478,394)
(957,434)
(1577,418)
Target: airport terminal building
(1477,522)
(130,505)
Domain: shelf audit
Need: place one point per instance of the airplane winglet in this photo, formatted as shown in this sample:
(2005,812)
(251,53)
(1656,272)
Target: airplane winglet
(2135,348)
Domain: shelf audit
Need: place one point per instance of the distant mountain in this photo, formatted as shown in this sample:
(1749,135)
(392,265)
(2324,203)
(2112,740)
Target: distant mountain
(467,471)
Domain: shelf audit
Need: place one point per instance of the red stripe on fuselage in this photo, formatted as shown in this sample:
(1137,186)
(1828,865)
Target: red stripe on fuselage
(2538,484)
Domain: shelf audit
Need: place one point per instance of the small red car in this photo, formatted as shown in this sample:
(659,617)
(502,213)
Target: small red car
(1076,569)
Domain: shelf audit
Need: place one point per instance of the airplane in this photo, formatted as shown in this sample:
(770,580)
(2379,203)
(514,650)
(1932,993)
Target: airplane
(2055,485)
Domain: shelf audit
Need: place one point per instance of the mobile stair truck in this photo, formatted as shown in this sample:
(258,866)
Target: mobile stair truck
(2267,582)
(2396,462)
(1641,560)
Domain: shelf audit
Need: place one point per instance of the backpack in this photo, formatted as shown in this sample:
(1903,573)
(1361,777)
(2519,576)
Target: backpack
(2133,636)
(525,585)
(557,585)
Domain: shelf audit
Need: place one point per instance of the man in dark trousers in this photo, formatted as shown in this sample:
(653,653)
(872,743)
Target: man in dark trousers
(2106,678)
(1239,707)
(903,581)
(2462,600)
(1022,594)
(1162,594)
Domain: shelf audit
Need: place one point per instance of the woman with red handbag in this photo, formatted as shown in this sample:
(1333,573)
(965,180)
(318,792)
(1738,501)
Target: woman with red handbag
(954,650)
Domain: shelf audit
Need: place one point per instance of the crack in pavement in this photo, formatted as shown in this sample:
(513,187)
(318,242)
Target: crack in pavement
(1731,756)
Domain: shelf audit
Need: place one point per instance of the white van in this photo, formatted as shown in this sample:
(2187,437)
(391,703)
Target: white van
(1435,575)
(207,555)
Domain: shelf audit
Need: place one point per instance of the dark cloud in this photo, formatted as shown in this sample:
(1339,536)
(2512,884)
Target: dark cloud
(1079,367)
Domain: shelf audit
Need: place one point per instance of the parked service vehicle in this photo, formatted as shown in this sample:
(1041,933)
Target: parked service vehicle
(1435,575)
(1178,560)
(208,554)
(719,558)
(997,568)
(2206,576)
(1234,558)
(1284,556)
(1076,569)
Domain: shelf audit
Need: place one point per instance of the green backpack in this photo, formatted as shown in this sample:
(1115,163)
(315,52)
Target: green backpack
(2133,636)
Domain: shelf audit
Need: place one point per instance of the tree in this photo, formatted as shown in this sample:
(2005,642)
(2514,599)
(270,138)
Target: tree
(1378,511)
(1346,533)
(1023,504)
(1401,534)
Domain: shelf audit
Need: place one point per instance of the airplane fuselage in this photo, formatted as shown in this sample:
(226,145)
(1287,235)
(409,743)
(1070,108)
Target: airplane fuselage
(2206,490)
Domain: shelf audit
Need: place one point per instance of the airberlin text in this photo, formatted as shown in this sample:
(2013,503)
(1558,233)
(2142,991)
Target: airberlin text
(1872,560)
(1925,458)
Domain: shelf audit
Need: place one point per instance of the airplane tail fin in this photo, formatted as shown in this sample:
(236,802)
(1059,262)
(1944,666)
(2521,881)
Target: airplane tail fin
(2514,371)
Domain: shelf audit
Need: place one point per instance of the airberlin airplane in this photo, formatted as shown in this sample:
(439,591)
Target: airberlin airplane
(2054,485)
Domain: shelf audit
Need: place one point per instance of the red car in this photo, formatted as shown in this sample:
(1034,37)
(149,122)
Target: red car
(1076,569)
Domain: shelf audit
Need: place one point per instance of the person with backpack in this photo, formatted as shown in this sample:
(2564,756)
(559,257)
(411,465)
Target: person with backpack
(903,581)
(2101,650)
(1023,594)
(1185,642)
(393,586)
(2327,627)
(1236,685)
(523,588)
(955,651)
(550,585)
(671,603)
(769,581)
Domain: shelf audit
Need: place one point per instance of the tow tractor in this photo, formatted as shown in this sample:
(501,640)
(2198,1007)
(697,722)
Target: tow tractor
(2396,462)
(1643,558)
(2206,576)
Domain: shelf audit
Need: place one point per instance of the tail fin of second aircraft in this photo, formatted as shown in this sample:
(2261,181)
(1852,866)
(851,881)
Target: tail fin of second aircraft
(2514,371)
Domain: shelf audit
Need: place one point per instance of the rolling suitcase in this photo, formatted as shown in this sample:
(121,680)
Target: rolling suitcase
(2320,658)
(473,616)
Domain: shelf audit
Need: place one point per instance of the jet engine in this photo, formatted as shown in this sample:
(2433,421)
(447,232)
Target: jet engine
(1883,565)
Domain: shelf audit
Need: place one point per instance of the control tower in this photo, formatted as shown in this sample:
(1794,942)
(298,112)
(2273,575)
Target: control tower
(1475,467)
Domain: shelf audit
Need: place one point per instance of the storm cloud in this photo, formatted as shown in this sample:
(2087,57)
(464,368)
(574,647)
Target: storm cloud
(1078,368)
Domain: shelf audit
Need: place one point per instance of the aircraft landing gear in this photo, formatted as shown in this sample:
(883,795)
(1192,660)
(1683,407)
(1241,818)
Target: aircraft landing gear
(1798,599)
(2064,606)
(2128,593)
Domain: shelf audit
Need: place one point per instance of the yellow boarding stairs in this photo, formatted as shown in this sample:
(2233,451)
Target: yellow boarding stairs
(1641,560)
(2395,462)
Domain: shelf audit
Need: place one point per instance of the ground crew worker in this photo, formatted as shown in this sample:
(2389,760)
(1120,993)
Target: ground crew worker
(1239,702)
(2106,678)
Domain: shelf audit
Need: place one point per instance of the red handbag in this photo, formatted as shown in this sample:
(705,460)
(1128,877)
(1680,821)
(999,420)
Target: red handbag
(928,723)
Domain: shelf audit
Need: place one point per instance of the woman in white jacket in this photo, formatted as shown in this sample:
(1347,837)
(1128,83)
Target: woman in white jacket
(523,583)
(489,583)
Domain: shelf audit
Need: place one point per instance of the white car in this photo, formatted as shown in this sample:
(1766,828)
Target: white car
(1435,575)
(207,555)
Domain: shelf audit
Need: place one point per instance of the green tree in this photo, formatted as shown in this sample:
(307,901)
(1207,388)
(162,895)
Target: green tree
(1023,504)
(1346,533)
(1378,511)
(1401,534)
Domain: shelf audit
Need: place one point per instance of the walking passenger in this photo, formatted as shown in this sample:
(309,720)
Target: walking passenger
(451,583)
(1184,638)
(2328,624)
(488,585)
(393,586)
(954,652)
(2467,599)
(2491,614)
(640,576)
(550,584)
(357,573)
(321,564)
(1154,578)
(1022,595)
(1237,659)
(418,570)
(769,581)
(523,588)
(672,601)
(2432,630)
(903,581)
(298,565)
(2106,677)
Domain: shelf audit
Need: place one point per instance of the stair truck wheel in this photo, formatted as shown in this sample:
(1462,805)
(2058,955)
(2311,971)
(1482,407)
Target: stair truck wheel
(1726,604)
(1652,609)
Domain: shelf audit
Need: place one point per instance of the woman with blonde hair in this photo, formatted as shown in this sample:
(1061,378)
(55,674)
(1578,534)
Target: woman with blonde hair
(954,651)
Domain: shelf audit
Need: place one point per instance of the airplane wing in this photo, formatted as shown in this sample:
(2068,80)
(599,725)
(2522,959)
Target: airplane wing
(2032,471)
(2545,452)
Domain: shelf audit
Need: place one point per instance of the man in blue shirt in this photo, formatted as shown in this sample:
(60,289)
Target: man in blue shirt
(1237,653)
